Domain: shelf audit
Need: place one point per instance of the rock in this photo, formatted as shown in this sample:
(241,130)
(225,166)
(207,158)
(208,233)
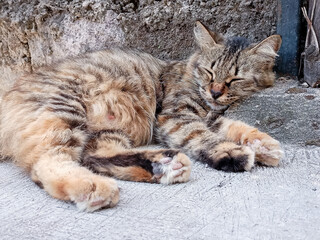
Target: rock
(310,97)
(304,85)
(295,90)
(315,142)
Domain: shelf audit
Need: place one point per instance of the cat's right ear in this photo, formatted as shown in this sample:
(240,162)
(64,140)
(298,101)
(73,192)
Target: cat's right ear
(206,39)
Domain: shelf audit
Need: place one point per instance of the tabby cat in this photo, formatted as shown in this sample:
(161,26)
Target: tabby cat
(85,115)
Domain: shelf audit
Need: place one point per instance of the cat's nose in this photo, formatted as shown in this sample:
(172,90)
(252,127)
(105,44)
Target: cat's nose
(215,94)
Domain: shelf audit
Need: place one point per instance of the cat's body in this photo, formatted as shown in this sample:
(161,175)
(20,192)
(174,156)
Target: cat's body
(93,111)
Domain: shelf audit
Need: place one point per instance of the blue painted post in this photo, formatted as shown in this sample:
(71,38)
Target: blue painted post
(288,26)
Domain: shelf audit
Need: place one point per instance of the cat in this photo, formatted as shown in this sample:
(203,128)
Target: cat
(74,124)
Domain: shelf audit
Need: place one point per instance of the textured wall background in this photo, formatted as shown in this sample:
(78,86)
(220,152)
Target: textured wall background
(33,33)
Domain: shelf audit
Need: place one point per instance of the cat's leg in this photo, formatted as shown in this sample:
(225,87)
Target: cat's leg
(267,149)
(65,179)
(110,152)
(193,136)
(50,149)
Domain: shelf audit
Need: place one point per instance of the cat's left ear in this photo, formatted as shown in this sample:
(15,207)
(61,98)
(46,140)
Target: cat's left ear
(268,47)
(206,39)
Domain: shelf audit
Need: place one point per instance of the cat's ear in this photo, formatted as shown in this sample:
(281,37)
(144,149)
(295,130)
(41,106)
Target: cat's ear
(206,38)
(268,47)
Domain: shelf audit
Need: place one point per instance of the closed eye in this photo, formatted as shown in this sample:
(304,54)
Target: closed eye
(228,84)
(211,74)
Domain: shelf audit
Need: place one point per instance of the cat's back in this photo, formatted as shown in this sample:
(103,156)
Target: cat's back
(96,67)
(91,74)
(117,62)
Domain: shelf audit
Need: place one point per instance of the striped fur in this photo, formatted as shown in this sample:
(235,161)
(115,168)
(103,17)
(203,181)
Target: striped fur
(85,115)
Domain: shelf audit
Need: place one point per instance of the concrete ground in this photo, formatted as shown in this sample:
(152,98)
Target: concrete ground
(266,203)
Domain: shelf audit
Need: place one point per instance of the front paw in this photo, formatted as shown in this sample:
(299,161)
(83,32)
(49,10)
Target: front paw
(231,157)
(174,168)
(268,150)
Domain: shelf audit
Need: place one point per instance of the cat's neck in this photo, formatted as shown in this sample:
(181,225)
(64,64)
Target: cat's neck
(177,83)
(177,75)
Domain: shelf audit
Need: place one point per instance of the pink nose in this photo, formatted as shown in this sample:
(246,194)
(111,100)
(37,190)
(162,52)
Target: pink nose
(215,94)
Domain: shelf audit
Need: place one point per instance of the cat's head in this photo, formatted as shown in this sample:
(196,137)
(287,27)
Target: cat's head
(228,70)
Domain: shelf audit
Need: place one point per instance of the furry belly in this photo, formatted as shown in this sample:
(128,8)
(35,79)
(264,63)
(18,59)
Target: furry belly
(134,115)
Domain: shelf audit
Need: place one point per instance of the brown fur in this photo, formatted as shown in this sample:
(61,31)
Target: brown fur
(92,111)
(136,174)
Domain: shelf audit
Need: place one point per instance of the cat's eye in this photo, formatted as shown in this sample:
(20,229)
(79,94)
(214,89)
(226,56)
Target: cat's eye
(210,73)
(228,84)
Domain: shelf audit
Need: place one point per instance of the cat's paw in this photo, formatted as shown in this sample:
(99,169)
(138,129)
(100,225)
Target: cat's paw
(173,168)
(93,192)
(267,150)
(231,157)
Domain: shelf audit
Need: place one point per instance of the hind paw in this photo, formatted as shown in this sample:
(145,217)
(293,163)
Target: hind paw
(93,193)
(173,168)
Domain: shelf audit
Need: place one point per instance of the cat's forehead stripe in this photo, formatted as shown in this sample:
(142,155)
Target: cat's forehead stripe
(236,44)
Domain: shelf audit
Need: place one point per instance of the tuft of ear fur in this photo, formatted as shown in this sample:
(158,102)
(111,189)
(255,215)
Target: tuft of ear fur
(205,38)
(268,47)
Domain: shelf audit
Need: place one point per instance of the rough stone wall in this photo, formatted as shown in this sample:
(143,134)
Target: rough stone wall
(36,32)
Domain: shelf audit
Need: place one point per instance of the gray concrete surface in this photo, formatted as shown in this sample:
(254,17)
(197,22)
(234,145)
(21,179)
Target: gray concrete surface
(266,203)
(287,111)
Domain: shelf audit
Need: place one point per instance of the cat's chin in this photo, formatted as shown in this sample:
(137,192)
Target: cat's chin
(216,107)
